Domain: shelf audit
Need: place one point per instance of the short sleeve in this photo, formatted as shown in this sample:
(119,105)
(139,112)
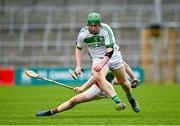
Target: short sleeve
(108,41)
(109,37)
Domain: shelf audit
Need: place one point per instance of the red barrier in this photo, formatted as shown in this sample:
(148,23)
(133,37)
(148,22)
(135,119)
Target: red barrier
(7,76)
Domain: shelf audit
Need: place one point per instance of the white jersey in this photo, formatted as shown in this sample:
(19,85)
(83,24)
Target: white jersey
(97,44)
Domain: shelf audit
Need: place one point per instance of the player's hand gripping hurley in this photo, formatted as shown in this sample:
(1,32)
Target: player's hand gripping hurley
(74,74)
(35,75)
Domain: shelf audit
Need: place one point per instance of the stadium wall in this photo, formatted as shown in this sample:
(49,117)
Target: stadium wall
(17,76)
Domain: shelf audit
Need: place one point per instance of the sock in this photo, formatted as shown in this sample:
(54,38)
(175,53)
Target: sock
(129,97)
(54,111)
(116,99)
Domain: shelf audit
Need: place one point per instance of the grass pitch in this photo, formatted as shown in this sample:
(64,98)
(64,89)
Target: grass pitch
(160,105)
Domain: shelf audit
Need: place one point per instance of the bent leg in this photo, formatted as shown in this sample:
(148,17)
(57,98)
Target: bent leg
(121,76)
(122,79)
(103,83)
(107,87)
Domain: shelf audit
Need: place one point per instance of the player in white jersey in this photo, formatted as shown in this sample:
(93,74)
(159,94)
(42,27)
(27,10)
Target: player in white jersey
(92,93)
(100,42)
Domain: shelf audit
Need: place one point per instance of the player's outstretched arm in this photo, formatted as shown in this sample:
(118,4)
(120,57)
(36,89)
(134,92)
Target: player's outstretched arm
(135,82)
(129,71)
(87,84)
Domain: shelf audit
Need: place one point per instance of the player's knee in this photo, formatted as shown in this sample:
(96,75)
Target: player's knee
(99,77)
(73,101)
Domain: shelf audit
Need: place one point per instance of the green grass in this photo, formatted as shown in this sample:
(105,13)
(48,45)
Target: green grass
(160,105)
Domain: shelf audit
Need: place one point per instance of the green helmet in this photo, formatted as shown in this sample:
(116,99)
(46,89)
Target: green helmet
(94,19)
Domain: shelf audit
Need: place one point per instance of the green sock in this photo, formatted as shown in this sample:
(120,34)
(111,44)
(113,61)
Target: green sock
(116,99)
(129,97)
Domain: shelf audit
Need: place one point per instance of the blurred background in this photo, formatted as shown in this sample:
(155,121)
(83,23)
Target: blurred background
(42,34)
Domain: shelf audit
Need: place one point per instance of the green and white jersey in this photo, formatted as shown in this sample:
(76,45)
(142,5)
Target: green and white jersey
(97,44)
